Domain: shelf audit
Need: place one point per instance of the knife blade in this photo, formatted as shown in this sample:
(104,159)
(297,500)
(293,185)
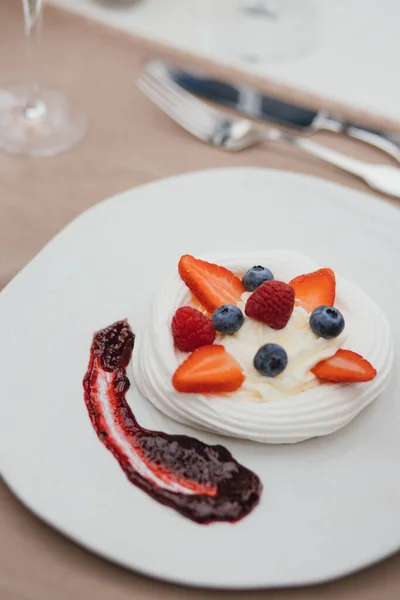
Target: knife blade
(255,105)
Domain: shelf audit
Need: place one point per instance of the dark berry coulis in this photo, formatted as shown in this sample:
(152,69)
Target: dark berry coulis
(204,483)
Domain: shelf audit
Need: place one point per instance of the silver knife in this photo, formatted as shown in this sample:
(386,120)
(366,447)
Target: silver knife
(255,105)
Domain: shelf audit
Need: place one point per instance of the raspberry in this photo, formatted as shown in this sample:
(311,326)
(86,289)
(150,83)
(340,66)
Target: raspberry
(271,303)
(191,329)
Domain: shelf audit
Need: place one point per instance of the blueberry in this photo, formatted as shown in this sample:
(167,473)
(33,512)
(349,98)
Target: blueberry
(227,318)
(327,322)
(255,277)
(270,360)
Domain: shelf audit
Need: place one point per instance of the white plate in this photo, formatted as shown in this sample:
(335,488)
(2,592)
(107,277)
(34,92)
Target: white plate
(329,506)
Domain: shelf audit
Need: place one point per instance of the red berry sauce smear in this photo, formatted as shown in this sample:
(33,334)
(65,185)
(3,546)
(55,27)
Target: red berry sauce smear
(204,483)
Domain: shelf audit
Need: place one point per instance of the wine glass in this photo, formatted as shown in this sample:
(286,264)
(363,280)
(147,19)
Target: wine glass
(259,31)
(35,121)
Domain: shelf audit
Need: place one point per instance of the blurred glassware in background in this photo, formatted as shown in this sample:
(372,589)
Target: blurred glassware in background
(116,3)
(259,31)
(35,121)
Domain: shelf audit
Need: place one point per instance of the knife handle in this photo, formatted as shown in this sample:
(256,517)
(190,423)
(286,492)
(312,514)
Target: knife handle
(230,95)
(387,142)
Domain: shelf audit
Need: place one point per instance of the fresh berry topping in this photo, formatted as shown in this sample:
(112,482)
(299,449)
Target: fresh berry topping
(255,277)
(327,322)
(208,370)
(271,303)
(191,329)
(211,284)
(315,289)
(270,360)
(228,319)
(346,367)
(195,303)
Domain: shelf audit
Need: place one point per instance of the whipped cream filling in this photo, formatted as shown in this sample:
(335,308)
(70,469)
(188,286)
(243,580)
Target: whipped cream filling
(303,347)
(289,408)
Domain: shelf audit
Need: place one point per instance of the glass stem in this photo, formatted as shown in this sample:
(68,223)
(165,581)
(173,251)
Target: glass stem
(34,107)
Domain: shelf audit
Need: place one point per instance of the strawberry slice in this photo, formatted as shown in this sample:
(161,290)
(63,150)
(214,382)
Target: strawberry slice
(315,289)
(211,284)
(209,369)
(195,303)
(345,366)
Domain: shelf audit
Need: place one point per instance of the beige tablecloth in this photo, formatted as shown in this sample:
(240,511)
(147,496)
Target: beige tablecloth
(130,142)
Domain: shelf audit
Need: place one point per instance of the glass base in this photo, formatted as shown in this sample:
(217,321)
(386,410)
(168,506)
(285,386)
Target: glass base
(246,32)
(46,128)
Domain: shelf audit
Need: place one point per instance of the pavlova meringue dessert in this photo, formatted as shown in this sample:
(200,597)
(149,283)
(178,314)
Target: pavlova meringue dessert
(262,346)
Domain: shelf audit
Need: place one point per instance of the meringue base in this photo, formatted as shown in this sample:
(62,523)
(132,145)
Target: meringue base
(316,409)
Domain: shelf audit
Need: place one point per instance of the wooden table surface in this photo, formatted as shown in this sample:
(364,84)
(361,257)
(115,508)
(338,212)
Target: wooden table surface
(129,143)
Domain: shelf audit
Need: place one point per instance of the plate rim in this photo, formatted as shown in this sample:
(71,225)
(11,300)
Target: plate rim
(369,200)
(103,555)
